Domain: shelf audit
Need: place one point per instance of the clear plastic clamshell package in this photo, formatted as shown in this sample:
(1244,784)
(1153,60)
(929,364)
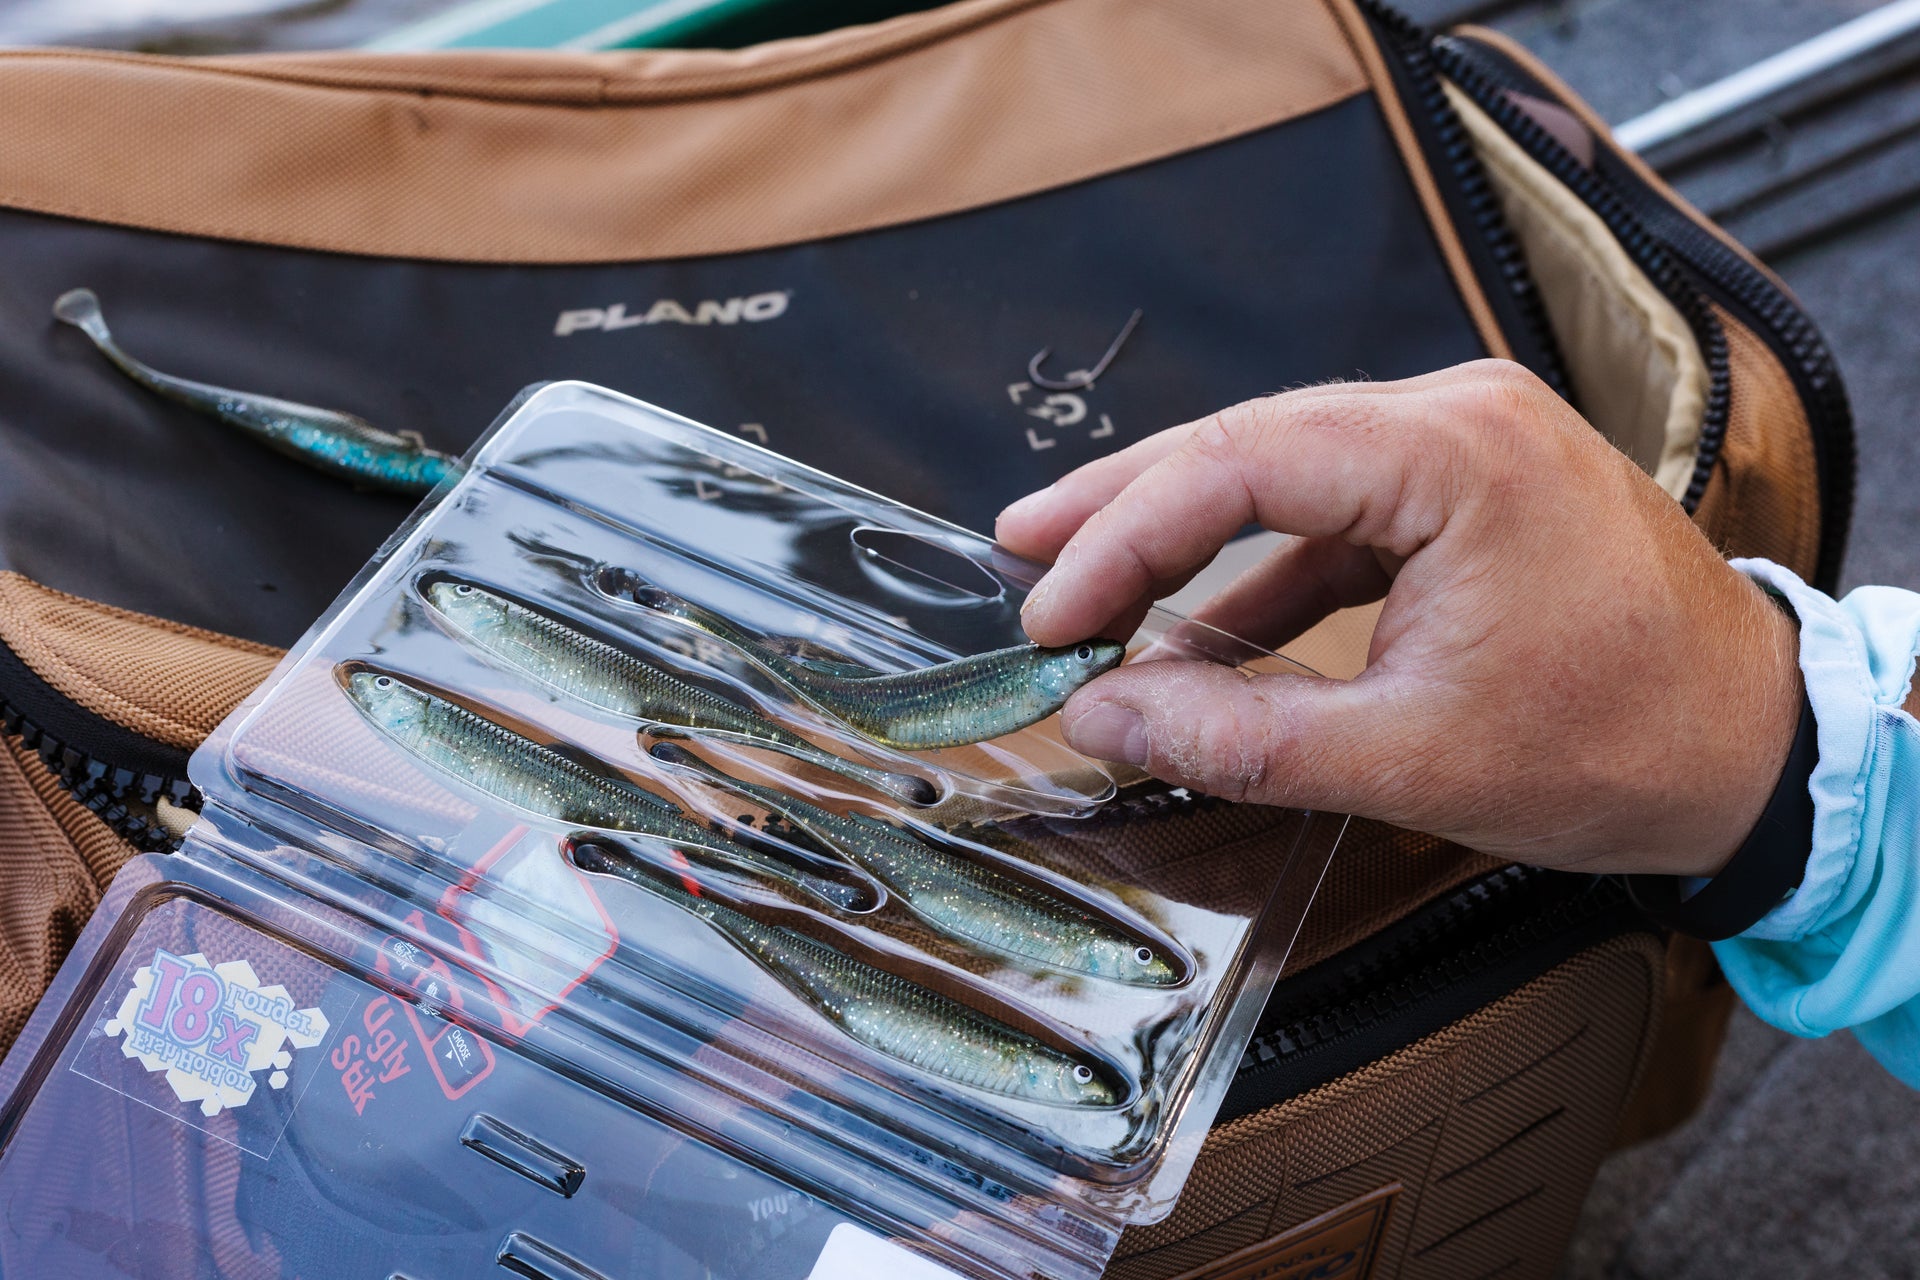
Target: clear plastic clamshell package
(661,861)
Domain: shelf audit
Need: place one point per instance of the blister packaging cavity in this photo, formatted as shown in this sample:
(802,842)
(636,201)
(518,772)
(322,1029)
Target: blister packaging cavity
(641,871)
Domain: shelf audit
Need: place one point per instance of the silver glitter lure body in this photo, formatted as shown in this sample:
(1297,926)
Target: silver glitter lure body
(564,658)
(890,1015)
(948,704)
(338,443)
(958,896)
(501,764)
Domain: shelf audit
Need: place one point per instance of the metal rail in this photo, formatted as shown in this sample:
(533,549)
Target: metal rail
(1710,104)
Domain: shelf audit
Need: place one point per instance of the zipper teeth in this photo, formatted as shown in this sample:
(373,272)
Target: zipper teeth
(1793,333)
(105,790)
(1159,803)
(1646,250)
(1483,202)
(1344,1015)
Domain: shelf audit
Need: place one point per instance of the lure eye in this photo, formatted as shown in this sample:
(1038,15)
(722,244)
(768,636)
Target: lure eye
(1083,1074)
(464,589)
(1143,955)
(383,682)
(1084,653)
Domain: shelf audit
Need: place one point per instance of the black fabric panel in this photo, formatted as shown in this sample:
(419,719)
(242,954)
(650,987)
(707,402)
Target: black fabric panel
(1296,254)
(39,703)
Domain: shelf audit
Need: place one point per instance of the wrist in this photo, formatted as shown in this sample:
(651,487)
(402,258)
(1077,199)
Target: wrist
(1759,733)
(1746,882)
(1762,873)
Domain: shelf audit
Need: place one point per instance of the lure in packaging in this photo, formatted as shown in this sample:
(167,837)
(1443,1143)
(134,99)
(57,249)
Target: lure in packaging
(660,861)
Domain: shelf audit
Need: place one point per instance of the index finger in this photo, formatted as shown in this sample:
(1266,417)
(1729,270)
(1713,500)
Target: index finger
(1039,525)
(1358,463)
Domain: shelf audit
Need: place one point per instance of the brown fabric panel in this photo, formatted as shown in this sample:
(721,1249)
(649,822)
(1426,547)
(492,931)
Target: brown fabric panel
(47,888)
(1764,498)
(1699,1002)
(1337,645)
(1378,875)
(1493,1128)
(651,155)
(166,681)
(1367,52)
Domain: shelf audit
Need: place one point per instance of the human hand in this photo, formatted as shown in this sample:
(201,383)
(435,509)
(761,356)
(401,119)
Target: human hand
(1564,672)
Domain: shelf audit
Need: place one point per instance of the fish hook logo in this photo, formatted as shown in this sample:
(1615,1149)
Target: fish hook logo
(212,1028)
(1062,409)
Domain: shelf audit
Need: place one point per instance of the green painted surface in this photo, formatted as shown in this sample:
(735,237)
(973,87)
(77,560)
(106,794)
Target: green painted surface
(633,24)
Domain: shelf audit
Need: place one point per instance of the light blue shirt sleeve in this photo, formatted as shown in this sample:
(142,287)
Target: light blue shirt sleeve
(1843,950)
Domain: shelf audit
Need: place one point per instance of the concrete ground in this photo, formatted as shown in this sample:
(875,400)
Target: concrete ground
(1805,1161)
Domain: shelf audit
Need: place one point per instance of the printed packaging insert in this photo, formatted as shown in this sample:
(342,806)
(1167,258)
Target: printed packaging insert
(651,780)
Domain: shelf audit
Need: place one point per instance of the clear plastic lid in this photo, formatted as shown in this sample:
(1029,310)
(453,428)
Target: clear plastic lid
(739,789)
(253,1087)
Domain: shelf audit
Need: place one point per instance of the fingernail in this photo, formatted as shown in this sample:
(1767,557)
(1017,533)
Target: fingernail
(1111,732)
(1023,506)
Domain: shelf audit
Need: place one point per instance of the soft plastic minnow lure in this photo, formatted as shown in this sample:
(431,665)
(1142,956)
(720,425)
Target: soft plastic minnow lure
(499,763)
(564,658)
(955,894)
(338,443)
(949,704)
(888,1014)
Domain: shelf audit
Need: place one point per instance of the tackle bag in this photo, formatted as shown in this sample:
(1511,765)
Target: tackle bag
(854,248)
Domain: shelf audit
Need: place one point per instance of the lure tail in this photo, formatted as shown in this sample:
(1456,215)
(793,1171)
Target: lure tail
(853,897)
(679,608)
(599,856)
(910,788)
(81,309)
(795,663)
(815,822)
(338,443)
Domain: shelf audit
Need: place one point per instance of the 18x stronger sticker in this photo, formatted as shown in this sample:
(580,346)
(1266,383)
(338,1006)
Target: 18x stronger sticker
(212,1029)
(213,1041)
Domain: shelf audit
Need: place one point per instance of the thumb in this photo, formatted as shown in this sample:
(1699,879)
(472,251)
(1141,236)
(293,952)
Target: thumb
(1280,738)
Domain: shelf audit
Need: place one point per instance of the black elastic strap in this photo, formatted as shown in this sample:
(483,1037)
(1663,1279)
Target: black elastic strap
(1765,869)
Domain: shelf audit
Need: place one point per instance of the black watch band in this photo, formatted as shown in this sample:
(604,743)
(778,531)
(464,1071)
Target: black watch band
(1764,870)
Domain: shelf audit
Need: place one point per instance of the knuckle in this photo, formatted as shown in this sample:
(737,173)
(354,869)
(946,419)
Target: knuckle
(1222,438)
(1213,436)
(1501,396)
(1239,433)
(1510,372)
(1487,427)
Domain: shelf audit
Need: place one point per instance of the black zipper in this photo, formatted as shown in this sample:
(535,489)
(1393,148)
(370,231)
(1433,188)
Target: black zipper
(1433,58)
(1475,207)
(1452,957)
(117,774)
(1486,73)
